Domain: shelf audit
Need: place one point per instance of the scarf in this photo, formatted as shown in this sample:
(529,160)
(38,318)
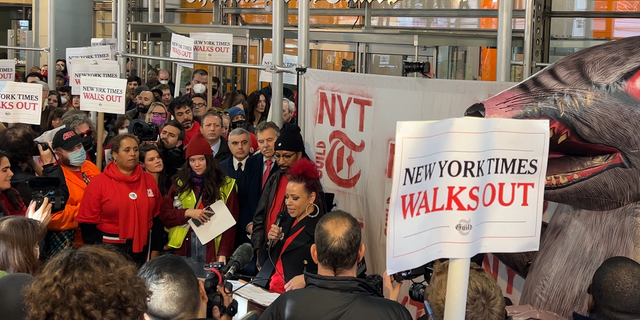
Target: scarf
(133,214)
(198,183)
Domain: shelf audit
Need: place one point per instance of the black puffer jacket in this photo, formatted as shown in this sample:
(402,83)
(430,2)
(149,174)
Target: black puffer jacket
(335,298)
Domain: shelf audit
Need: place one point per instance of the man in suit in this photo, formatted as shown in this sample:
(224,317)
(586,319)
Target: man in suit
(261,165)
(211,129)
(235,167)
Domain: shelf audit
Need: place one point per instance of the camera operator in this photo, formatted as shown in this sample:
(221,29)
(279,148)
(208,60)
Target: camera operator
(176,293)
(18,144)
(171,146)
(146,132)
(337,250)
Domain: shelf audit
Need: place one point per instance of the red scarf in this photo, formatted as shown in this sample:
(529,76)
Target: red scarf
(133,215)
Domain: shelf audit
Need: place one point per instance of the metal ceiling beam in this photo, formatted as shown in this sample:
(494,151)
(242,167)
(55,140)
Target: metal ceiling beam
(414,13)
(428,37)
(593,14)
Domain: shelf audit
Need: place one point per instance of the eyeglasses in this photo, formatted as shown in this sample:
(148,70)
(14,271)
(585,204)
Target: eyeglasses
(87,133)
(199,105)
(285,156)
(159,114)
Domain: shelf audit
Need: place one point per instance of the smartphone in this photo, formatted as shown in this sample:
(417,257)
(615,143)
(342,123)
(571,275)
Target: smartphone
(209,214)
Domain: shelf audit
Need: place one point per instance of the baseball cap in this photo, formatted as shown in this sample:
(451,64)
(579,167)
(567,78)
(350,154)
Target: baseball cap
(66,139)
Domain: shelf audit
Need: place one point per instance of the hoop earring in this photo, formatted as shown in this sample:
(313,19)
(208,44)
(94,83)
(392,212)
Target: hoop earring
(317,211)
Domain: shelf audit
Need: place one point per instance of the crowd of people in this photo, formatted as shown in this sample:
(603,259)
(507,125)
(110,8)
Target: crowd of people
(77,242)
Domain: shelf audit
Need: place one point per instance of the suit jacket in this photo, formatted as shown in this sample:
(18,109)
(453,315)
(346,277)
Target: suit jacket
(246,213)
(296,259)
(224,152)
(253,172)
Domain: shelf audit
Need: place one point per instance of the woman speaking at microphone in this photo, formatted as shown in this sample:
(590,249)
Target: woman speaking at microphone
(291,240)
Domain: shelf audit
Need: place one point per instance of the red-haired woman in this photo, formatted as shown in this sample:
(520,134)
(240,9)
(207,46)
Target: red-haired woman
(290,254)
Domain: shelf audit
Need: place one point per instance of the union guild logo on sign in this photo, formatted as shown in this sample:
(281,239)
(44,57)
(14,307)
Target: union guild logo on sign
(464,227)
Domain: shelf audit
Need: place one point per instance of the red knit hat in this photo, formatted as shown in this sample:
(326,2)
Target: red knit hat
(198,146)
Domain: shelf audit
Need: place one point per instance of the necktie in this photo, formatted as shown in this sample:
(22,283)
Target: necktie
(265,175)
(239,172)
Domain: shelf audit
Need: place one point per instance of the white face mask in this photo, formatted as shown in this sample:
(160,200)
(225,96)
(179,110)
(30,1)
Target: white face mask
(164,81)
(63,100)
(198,88)
(123,131)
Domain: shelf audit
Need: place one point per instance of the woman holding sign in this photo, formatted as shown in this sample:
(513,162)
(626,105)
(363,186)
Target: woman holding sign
(290,239)
(199,183)
(119,204)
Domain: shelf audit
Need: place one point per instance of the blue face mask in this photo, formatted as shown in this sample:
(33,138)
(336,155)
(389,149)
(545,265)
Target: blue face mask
(77,157)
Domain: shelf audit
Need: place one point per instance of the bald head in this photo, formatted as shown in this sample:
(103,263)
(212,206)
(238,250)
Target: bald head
(338,240)
(616,290)
(174,288)
(164,75)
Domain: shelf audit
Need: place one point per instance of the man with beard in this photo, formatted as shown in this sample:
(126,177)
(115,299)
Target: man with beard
(171,146)
(144,100)
(182,110)
(78,171)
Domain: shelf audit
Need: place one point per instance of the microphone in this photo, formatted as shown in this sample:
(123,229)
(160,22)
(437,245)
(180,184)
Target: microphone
(239,259)
(277,223)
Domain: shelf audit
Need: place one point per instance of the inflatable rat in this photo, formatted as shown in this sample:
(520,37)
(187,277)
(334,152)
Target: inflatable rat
(592,100)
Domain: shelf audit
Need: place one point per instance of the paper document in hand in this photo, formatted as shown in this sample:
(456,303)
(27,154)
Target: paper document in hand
(219,223)
(254,293)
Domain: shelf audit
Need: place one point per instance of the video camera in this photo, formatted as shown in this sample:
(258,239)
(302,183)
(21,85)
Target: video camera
(423,67)
(46,187)
(214,278)
(143,130)
(219,274)
(416,290)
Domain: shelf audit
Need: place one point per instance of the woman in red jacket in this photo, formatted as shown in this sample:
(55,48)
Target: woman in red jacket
(119,204)
(199,183)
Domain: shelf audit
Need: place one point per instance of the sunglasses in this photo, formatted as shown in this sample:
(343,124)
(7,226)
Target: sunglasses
(87,133)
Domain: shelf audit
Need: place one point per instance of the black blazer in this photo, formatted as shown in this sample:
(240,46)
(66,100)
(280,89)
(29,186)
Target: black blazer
(246,214)
(253,175)
(296,259)
(223,152)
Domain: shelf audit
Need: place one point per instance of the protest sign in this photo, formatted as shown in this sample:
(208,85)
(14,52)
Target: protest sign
(96,53)
(92,68)
(7,70)
(465,186)
(20,102)
(289,61)
(213,46)
(181,47)
(103,95)
(111,42)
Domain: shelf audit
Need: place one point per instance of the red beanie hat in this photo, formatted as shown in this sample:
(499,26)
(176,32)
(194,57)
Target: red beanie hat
(198,146)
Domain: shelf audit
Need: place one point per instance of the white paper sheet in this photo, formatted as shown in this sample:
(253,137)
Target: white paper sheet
(219,223)
(254,293)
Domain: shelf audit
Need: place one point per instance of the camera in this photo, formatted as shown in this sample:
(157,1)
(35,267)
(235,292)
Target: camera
(415,66)
(46,187)
(416,290)
(143,130)
(211,282)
